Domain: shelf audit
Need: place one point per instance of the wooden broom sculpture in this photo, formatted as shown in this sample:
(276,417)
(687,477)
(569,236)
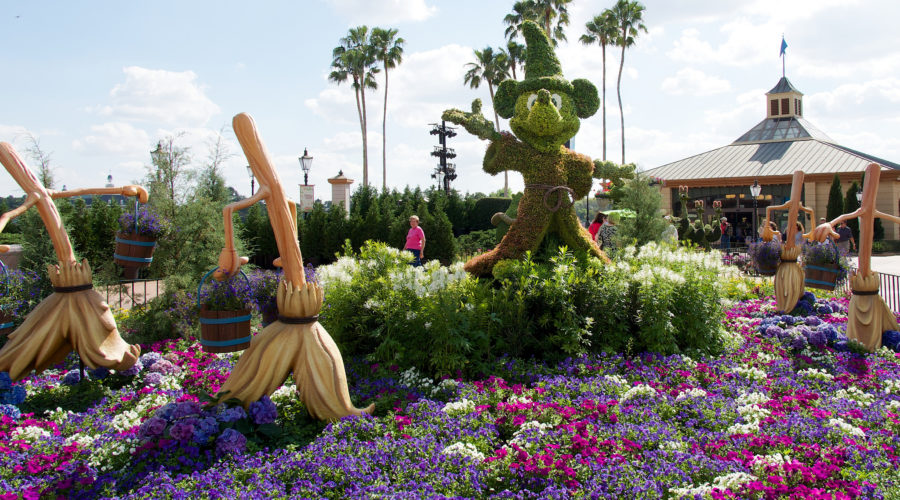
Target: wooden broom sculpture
(869,316)
(296,341)
(75,315)
(789,277)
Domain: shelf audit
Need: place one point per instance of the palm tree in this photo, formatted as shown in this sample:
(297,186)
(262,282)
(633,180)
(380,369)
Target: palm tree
(629,21)
(516,53)
(355,58)
(390,52)
(492,68)
(601,30)
(543,12)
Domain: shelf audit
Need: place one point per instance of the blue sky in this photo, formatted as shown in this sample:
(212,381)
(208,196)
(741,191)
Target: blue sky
(99,82)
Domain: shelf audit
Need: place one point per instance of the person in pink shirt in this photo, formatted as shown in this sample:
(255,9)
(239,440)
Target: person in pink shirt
(415,240)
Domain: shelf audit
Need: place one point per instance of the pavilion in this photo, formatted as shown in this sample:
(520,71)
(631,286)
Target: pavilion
(768,154)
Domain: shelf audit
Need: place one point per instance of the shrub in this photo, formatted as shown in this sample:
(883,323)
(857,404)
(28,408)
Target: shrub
(480,217)
(170,315)
(442,320)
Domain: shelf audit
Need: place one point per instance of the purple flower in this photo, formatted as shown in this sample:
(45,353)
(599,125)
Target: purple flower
(147,223)
(231,414)
(167,411)
(100,373)
(5,381)
(263,411)
(230,441)
(813,321)
(824,309)
(152,427)
(817,339)
(205,430)
(183,430)
(10,411)
(775,331)
(153,378)
(149,358)
(134,370)
(186,409)
(891,340)
(799,342)
(164,367)
(71,378)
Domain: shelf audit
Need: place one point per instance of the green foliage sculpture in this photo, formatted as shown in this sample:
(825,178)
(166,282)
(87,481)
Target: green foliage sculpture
(544,111)
(698,232)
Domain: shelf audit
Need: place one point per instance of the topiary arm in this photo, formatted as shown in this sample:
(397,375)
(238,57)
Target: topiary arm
(579,169)
(475,122)
(506,153)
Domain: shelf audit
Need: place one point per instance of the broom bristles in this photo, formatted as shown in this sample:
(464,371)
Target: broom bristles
(305,349)
(869,316)
(65,321)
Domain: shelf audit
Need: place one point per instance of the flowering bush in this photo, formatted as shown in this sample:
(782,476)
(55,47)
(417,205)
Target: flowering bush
(19,294)
(147,223)
(11,396)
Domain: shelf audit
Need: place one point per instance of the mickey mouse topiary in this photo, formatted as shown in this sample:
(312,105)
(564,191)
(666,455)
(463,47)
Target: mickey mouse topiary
(544,111)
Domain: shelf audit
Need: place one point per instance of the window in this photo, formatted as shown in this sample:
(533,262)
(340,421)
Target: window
(773,108)
(785,106)
(798,107)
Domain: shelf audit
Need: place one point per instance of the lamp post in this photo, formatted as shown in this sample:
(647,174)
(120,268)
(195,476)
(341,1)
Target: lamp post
(754,191)
(252,180)
(306,164)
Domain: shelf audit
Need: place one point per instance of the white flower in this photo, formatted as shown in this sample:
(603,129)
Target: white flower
(125,420)
(284,393)
(892,386)
(464,450)
(847,428)
(747,428)
(83,440)
(751,373)
(639,390)
(29,433)
(816,374)
(695,392)
(459,407)
(853,393)
(732,481)
(752,398)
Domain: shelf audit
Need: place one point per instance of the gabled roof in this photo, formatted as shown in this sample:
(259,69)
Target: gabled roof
(768,159)
(783,85)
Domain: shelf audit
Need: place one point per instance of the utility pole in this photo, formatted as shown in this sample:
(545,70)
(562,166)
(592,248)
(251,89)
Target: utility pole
(445,172)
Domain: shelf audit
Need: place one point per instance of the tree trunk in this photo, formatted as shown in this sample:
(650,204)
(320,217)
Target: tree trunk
(603,52)
(384,133)
(362,123)
(621,111)
(365,126)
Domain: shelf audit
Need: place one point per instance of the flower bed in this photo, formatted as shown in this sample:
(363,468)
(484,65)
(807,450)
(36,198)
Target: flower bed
(788,411)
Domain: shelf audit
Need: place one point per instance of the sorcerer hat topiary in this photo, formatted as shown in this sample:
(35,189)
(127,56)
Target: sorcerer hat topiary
(543,71)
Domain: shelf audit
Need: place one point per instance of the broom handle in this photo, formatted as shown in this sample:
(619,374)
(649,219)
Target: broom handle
(277,203)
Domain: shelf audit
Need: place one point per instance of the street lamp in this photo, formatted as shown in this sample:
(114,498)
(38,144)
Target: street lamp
(306,164)
(252,180)
(754,191)
(859,196)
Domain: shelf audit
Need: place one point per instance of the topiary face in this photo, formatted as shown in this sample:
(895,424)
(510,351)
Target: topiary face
(544,119)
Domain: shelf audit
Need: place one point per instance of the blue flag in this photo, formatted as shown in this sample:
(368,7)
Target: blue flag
(783,46)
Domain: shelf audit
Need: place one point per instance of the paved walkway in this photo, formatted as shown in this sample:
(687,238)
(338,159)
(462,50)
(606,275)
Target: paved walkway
(889,264)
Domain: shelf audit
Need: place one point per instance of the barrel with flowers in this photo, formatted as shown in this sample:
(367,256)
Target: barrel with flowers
(136,240)
(823,265)
(225,313)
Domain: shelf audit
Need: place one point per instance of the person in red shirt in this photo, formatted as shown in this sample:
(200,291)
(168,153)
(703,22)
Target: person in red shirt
(415,240)
(595,226)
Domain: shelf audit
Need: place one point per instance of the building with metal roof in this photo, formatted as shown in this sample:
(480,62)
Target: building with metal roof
(768,154)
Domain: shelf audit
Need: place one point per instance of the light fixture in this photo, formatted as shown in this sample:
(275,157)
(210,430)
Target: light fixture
(306,165)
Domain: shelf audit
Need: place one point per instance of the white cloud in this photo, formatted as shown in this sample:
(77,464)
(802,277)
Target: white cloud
(384,11)
(112,138)
(690,81)
(160,96)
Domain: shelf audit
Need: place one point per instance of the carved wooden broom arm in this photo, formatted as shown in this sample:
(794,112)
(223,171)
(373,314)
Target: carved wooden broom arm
(129,190)
(229,263)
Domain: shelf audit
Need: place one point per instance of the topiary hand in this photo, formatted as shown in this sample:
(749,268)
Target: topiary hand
(475,122)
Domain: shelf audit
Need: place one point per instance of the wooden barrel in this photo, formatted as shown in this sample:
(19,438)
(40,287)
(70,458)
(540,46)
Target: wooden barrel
(133,252)
(821,277)
(6,322)
(224,331)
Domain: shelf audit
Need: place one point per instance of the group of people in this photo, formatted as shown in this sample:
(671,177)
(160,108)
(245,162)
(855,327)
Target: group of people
(844,241)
